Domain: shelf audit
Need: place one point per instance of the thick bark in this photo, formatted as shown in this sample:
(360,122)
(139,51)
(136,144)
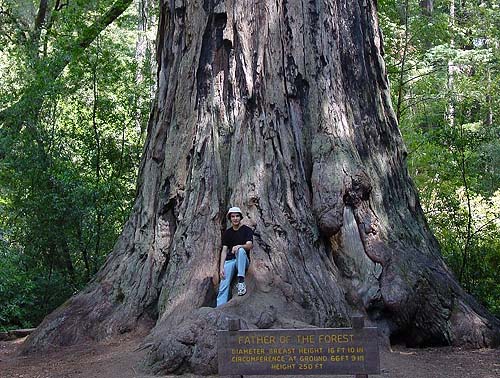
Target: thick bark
(283,109)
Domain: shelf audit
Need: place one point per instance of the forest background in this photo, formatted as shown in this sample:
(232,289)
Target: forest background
(77,79)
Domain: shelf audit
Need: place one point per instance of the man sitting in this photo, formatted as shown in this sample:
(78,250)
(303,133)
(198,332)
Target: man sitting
(237,242)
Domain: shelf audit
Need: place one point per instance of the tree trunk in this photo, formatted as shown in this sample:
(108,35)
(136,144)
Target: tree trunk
(283,109)
(427,7)
(37,29)
(144,56)
(402,67)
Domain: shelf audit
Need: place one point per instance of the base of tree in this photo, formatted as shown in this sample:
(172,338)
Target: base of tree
(181,343)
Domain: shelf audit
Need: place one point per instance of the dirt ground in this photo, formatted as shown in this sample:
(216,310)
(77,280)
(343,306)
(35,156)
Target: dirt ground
(119,358)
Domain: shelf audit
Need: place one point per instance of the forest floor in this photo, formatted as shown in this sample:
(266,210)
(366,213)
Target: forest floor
(119,358)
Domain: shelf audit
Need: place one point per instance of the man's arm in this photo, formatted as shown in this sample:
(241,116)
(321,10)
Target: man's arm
(247,246)
(223,255)
(249,243)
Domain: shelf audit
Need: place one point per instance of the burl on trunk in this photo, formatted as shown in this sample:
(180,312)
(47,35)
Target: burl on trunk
(281,108)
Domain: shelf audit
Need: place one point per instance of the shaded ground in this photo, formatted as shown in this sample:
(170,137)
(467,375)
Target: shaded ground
(119,358)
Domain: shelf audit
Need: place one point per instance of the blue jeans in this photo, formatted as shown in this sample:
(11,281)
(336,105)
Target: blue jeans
(230,266)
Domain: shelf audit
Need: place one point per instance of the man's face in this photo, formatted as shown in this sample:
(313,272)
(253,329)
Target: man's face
(235,219)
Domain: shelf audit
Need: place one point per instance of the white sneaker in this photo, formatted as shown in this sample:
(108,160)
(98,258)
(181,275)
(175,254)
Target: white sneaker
(242,288)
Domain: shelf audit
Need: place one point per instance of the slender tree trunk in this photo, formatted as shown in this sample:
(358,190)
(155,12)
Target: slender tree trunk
(282,108)
(427,7)
(39,22)
(451,69)
(97,139)
(468,233)
(144,56)
(84,251)
(402,65)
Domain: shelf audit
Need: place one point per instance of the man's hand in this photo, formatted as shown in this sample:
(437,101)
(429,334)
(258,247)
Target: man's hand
(222,273)
(247,246)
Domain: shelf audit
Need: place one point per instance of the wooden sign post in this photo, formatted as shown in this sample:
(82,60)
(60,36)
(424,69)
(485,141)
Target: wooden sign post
(311,351)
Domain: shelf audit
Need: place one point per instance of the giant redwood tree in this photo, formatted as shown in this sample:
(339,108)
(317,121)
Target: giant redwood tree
(282,108)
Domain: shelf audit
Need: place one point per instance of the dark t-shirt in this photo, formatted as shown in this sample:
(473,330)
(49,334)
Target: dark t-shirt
(238,237)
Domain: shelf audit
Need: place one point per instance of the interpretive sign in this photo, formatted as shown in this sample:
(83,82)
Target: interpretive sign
(312,351)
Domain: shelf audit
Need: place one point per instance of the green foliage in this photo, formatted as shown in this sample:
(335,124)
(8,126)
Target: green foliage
(16,290)
(444,69)
(69,151)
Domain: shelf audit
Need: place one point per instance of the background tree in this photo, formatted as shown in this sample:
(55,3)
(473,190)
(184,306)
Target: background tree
(67,174)
(284,109)
(453,146)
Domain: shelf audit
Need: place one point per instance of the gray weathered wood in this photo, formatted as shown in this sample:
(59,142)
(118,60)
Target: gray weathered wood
(15,334)
(23,332)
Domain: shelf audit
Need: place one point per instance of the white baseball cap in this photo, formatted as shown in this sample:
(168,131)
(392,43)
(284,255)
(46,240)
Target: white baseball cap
(234,210)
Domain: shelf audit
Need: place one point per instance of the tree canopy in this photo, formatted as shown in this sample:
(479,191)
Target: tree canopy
(74,99)
(443,60)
